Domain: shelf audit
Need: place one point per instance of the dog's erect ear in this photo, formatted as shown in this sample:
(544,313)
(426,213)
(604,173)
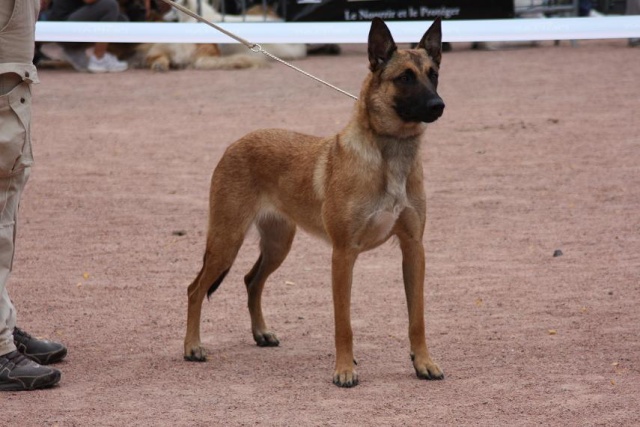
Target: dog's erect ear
(432,41)
(381,44)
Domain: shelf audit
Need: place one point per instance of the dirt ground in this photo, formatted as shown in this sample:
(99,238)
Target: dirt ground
(538,151)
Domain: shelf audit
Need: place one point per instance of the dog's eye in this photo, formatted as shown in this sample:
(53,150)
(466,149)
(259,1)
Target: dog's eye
(407,77)
(433,76)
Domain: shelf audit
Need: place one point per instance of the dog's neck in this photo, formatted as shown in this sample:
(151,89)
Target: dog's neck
(392,139)
(379,128)
(397,148)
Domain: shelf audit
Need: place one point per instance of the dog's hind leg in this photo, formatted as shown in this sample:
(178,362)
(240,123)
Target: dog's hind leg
(276,237)
(211,276)
(223,243)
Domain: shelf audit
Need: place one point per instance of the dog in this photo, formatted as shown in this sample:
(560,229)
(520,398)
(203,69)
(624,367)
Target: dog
(355,190)
(166,56)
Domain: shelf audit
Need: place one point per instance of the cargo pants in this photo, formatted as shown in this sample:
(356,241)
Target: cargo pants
(17,74)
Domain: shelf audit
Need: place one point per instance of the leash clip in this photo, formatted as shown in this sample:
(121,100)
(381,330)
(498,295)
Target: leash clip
(256,48)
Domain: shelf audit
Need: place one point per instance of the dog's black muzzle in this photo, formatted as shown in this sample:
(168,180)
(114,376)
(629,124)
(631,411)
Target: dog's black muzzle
(426,109)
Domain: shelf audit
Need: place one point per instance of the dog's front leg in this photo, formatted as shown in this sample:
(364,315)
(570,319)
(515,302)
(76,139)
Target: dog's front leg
(342,263)
(410,237)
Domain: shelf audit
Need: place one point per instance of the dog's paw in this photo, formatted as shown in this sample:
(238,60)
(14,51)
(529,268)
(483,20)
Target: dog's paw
(266,339)
(345,378)
(159,66)
(196,354)
(427,369)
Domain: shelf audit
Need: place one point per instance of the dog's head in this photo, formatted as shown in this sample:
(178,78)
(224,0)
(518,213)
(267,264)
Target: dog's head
(407,79)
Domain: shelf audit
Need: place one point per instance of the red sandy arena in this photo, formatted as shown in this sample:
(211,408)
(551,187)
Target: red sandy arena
(538,151)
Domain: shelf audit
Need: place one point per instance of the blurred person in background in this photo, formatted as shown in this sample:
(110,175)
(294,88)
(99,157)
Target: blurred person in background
(98,60)
(584,7)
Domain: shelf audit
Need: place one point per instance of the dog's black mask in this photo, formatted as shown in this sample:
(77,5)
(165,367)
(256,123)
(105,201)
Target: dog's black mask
(419,105)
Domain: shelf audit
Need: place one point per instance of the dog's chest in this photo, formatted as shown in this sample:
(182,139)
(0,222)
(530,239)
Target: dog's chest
(389,205)
(380,226)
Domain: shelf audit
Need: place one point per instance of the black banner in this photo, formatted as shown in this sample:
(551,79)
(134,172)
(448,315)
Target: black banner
(396,10)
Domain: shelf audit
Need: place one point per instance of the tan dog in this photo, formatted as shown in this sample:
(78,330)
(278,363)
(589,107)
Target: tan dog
(355,190)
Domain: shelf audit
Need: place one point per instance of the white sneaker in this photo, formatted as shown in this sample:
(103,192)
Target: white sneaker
(107,64)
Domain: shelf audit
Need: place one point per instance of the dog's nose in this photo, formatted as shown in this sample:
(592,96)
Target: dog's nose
(436,106)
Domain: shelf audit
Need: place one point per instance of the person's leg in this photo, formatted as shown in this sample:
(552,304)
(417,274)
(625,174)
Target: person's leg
(13,41)
(100,11)
(100,61)
(15,158)
(7,323)
(17,371)
(17,31)
(11,188)
(99,49)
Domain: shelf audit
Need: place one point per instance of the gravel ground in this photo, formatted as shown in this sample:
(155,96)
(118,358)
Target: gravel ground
(538,151)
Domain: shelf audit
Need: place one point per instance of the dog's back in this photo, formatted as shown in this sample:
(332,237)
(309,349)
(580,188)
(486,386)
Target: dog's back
(269,172)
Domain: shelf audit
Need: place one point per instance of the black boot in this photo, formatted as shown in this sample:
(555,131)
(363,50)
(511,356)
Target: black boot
(18,373)
(42,351)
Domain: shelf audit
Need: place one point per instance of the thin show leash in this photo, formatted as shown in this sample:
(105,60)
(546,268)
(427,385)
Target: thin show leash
(254,47)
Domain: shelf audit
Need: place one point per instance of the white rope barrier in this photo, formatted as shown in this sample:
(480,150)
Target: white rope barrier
(340,32)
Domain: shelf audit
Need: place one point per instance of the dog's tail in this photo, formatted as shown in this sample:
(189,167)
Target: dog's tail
(202,279)
(216,284)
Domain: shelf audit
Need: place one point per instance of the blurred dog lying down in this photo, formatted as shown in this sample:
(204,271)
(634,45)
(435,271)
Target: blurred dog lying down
(165,56)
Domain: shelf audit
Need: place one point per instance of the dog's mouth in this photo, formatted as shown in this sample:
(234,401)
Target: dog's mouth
(432,116)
